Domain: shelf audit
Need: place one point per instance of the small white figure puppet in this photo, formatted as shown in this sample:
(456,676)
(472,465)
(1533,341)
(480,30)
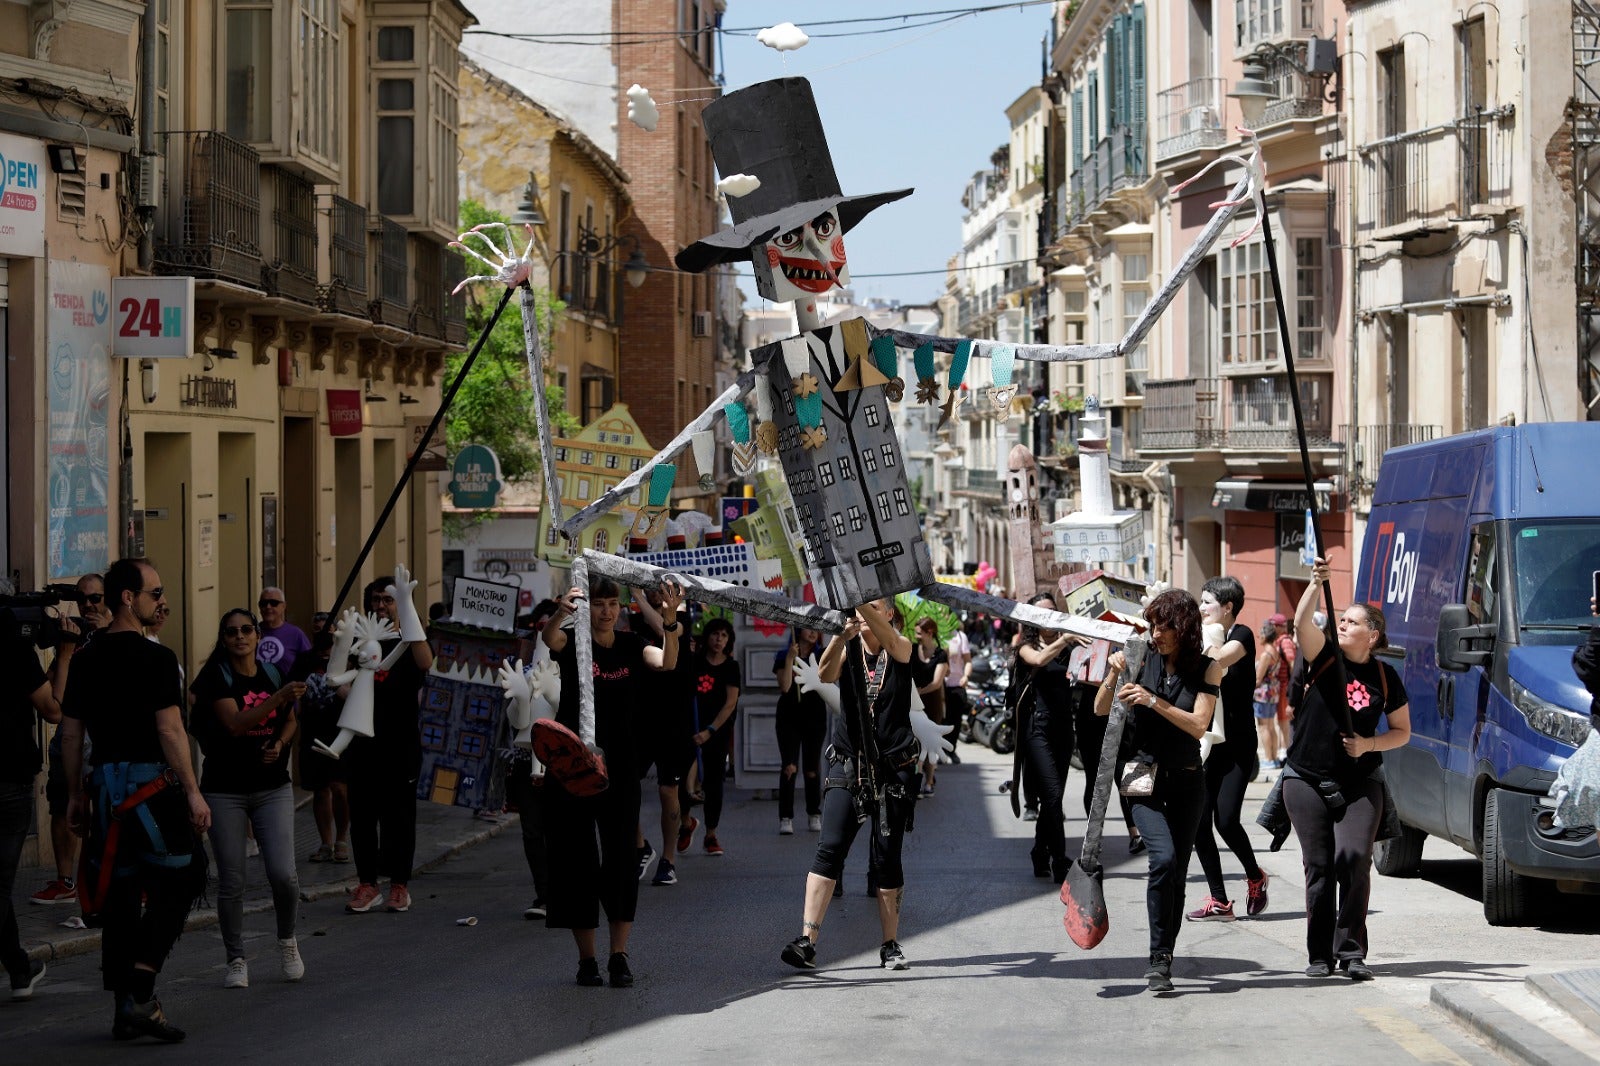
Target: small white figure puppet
(534,693)
(362,636)
(1213,637)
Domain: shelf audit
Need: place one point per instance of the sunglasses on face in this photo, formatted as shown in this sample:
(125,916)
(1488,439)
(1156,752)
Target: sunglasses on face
(92,598)
(155,593)
(264,604)
(237,631)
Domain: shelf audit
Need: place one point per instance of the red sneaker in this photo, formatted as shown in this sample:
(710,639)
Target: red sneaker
(1256,900)
(363,899)
(399,899)
(56,892)
(713,845)
(1211,910)
(686,834)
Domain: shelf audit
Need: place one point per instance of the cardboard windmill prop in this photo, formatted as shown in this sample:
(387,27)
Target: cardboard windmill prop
(822,398)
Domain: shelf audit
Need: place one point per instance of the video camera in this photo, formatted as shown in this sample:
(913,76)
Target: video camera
(30,616)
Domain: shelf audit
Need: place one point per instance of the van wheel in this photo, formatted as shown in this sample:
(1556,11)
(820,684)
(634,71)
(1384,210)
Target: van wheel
(1400,856)
(1505,892)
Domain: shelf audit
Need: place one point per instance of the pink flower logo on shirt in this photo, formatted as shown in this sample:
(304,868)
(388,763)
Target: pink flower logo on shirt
(706,684)
(252,700)
(1357,696)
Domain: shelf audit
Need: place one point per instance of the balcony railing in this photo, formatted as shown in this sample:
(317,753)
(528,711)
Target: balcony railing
(1119,160)
(390,305)
(1398,171)
(427,310)
(293,270)
(1367,445)
(1016,277)
(218,232)
(1251,413)
(1299,94)
(1189,117)
(346,291)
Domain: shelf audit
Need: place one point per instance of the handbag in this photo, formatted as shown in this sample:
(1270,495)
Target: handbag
(1138,778)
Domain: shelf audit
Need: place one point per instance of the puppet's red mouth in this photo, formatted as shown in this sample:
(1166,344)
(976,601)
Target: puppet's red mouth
(808,275)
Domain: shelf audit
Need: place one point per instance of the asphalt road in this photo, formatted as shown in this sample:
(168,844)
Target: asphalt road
(993,974)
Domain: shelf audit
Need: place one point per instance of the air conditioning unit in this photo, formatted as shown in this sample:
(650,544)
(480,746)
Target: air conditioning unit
(702,324)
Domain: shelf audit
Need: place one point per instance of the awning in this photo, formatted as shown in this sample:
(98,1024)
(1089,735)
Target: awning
(1254,494)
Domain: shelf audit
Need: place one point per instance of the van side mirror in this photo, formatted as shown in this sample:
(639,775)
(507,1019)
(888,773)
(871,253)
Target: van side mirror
(1456,632)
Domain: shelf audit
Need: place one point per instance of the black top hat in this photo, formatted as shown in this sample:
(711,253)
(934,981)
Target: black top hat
(772,130)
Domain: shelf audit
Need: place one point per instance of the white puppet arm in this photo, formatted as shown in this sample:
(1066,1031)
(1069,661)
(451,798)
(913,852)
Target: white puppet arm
(808,675)
(405,607)
(930,738)
(518,690)
(344,641)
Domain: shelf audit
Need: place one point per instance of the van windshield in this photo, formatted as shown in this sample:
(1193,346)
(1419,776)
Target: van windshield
(1553,564)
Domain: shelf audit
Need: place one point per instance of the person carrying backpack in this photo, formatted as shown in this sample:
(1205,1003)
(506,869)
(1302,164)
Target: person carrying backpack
(244,719)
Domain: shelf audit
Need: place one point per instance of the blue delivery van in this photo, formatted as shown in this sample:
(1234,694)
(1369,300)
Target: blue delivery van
(1480,550)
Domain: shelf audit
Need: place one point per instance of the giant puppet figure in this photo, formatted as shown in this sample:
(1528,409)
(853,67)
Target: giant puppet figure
(822,397)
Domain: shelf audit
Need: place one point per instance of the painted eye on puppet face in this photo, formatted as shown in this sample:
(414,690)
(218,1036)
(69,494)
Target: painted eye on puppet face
(791,239)
(824,225)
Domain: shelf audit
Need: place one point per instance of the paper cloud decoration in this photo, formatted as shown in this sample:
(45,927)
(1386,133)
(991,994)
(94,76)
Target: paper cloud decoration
(641,109)
(738,184)
(784,37)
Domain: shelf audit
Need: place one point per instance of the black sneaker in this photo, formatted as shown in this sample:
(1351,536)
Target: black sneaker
(666,874)
(1159,975)
(890,957)
(1318,969)
(589,973)
(647,855)
(22,987)
(535,910)
(144,1019)
(621,974)
(800,953)
(1357,969)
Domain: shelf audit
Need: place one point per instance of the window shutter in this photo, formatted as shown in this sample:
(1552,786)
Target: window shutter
(1116,114)
(1076,153)
(1094,113)
(1136,72)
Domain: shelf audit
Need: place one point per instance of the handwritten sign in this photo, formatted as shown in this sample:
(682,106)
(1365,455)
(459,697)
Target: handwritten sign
(485,604)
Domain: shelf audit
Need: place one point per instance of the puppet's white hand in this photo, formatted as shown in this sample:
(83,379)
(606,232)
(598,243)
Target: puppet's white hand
(930,737)
(808,675)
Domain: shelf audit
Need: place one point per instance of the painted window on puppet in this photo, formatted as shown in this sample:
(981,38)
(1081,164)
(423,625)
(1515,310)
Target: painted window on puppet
(872,414)
(883,507)
(471,745)
(433,736)
(838,524)
(825,472)
(479,707)
(888,455)
(857,518)
(845,473)
(869,461)
(901,503)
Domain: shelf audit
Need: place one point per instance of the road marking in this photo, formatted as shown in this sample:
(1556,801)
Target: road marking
(1413,1040)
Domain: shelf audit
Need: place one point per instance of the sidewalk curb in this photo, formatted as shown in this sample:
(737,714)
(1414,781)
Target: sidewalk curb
(89,940)
(1502,1028)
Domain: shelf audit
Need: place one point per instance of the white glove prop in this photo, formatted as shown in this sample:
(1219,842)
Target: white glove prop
(344,642)
(545,682)
(808,675)
(930,738)
(518,690)
(405,608)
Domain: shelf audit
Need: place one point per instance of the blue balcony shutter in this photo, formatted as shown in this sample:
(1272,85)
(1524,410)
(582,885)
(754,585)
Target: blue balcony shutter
(1076,153)
(1094,113)
(1136,80)
(1113,68)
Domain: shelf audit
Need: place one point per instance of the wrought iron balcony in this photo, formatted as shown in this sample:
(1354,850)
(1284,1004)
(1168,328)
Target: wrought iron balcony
(292,272)
(1249,413)
(1299,93)
(1118,161)
(1189,117)
(1366,446)
(427,309)
(1397,172)
(391,303)
(218,231)
(346,291)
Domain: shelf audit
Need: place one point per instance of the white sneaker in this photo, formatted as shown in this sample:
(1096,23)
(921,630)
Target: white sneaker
(251,848)
(238,975)
(786,827)
(294,967)
(814,823)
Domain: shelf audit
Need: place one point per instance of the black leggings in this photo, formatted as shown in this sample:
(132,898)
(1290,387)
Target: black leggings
(800,738)
(1337,850)
(1048,749)
(383,826)
(713,771)
(839,827)
(529,799)
(1167,821)
(1226,780)
(593,860)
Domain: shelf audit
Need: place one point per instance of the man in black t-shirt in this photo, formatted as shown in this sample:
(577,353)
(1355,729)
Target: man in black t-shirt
(668,733)
(126,692)
(25,695)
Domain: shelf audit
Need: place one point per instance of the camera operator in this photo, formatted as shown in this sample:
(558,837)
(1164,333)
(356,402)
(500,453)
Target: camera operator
(25,696)
(93,616)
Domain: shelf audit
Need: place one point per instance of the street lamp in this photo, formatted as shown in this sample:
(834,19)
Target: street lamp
(592,245)
(1253,91)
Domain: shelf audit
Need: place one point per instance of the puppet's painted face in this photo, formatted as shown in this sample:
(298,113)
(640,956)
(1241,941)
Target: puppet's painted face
(803,262)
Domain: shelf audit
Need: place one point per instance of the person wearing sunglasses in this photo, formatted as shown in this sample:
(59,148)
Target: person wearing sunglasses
(244,719)
(124,692)
(282,642)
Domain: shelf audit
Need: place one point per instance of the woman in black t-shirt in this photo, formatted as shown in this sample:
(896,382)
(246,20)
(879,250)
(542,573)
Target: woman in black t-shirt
(245,722)
(1334,800)
(930,665)
(592,840)
(716,692)
(872,774)
(1172,702)
(1044,729)
(802,722)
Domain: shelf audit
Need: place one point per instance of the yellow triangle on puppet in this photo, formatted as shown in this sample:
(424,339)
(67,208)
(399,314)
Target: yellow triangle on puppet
(861,374)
